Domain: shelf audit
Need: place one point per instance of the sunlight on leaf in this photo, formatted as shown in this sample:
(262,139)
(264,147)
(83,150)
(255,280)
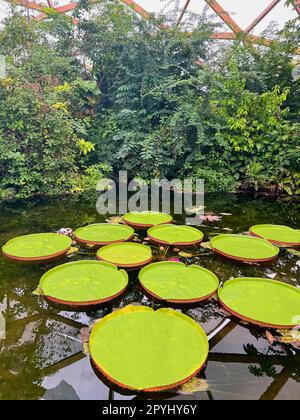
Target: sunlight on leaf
(294,252)
(194,385)
(206,245)
(72,250)
(114,219)
(184,254)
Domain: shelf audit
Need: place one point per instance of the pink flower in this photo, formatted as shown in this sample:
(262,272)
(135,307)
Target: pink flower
(174,259)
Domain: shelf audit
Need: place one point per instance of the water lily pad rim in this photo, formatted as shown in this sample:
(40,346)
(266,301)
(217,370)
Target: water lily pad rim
(253,321)
(179,301)
(274,242)
(88,303)
(121,265)
(44,258)
(232,257)
(187,243)
(85,241)
(146,225)
(171,312)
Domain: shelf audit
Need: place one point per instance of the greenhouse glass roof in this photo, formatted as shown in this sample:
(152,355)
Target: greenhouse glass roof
(252,17)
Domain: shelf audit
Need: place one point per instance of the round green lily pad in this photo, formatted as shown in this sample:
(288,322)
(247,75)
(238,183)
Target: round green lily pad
(175,235)
(83,283)
(177,283)
(143,350)
(244,248)
(37,248)
(126,254)
(103,234)
(264,302)
(146,219)
(276,234)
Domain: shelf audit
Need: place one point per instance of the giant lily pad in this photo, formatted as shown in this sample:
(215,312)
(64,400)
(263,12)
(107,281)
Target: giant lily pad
(83,283)
(175,282)
(276,234)
(175,235)
(126,254)
(103,234)
(244,248)
(41,247)
(146,219)
(268,303)
(143,350)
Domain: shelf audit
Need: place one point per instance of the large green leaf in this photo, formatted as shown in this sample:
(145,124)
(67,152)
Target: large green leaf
(37,246)
(147,218)
(83,281)
(176,281)
(244,247)
(125,254)
(172,235)
(141,349)
(104,233)
(263,301)
(278,234)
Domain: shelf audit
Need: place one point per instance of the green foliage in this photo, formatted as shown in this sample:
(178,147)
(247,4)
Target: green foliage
(119,94)
(216,181)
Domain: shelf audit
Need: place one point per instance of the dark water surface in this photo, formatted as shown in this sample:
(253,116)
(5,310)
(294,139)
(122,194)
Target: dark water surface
(38,361)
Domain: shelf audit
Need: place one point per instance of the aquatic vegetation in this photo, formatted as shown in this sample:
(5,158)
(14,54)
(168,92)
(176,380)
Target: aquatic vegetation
(176,283)
(146,219)
(277,235)
(39,247)
(143,350)
(263,302)
(83,283)
(175,235)
(244,248)
(103,234)
(126,255)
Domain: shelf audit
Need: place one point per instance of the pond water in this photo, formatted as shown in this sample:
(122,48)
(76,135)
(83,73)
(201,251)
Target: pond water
(39,358)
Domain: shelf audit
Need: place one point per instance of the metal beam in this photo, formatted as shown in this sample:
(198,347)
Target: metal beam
(28,4)
(183,12)
(62,9)
(225,16)
(262,16)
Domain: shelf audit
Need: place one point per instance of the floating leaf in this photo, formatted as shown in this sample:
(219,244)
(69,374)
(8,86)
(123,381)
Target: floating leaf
(225,214)
(146,219)
(294,252)
(37,247)
(103,234)
(83,283)
(38,291)
(184,254)
(252,299)
(86,349)
(126,254)
(170,281)
(244,248)
(193,386)
(72,250)
(206,245)
(124,345)
(277,234)
(175,235)
(115,219)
